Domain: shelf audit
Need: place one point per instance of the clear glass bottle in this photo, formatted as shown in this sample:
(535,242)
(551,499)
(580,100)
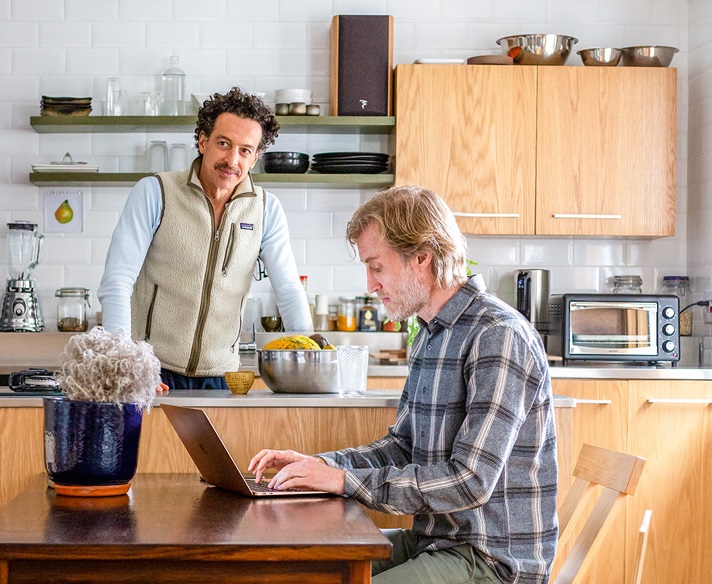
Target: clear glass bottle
(310,299)
(627,284)
(680,287)
(72,309)
(346,318)
(173,86)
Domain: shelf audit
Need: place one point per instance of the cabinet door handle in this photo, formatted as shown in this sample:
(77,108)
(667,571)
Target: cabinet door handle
(604,402)
(659,400)
(584,216)
(487,215)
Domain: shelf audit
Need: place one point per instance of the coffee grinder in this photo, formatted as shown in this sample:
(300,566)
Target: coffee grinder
(20,306)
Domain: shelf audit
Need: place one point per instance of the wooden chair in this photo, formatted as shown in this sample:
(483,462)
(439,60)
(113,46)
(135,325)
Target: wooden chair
(642,545)
(615,475)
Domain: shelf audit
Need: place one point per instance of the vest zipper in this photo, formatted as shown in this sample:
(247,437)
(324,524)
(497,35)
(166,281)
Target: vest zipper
(239,323)
(149,316)
(205,294)
(228,251)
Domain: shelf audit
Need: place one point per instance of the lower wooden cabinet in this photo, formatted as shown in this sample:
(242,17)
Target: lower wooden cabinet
(671,426)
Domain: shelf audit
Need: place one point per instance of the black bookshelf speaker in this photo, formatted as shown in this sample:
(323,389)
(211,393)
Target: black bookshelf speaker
(361,65)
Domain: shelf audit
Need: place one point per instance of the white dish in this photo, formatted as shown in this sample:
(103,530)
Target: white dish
(439,61)
(293,96)
(76,167)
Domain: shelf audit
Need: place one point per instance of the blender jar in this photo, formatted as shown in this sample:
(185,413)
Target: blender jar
(72,309)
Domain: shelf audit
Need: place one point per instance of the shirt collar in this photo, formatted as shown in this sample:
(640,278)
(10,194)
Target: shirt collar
(457,305)
(246,187)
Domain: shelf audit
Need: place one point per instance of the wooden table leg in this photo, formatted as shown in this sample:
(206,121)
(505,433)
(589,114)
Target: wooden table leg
(4,572)
(360,572)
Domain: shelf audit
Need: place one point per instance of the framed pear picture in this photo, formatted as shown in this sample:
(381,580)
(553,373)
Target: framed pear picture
(63,211)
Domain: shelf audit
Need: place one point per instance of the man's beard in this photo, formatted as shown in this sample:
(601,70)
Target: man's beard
(410,297)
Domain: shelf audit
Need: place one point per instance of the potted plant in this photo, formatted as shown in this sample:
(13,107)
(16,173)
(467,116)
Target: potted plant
(91,434)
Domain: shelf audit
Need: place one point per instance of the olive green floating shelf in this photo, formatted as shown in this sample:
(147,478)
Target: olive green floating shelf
(119,179)
(184,124)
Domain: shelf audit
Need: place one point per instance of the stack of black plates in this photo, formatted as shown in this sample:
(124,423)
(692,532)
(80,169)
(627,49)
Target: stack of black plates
(350,162)
(65,106)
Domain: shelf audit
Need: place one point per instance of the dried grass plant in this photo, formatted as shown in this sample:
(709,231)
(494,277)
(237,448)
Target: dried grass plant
(109,367)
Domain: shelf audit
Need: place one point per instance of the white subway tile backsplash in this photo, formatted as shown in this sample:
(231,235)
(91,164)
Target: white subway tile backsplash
(280,35)
(265,10)
(225,35)
(66,250)
(142,11)
(118,34)
(518,11)
(544,252)
(19,88)
(328,252)
(173,34)
(91,10)
(500,251)
(597,253)
(205,10)
(16,34)
(5,61)
(414,10)
(18,142)
(569,11)
(350,279)
(38,61)
(360,7)
(37,10)
(92,61)
(572,279)
(430,36)
(308,225)
(307,11)
(65,34)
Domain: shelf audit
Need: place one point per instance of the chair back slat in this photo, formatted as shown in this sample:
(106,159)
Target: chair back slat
(642,545)
(615,470)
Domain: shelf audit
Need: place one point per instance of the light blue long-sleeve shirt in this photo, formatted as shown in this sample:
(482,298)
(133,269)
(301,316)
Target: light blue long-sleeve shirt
(133,235)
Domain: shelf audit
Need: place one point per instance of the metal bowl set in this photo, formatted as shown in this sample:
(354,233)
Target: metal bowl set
(638,56)
(286,162)
(537,49)
(299,370)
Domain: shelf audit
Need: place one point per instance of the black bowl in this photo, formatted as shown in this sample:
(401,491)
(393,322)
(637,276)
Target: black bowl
(285,156)
(286,165)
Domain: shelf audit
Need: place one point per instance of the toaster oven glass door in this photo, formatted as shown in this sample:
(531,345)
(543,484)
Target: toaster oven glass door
(607,328)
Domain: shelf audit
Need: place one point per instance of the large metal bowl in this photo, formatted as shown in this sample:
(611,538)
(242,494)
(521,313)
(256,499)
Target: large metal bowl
(299,371)
(601,56)
(537,49)
(648,56)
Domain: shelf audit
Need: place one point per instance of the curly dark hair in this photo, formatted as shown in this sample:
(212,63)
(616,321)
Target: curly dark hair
(243,104)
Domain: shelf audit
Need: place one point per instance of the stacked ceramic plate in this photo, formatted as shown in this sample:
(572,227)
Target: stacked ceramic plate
(350,162)
(65,106)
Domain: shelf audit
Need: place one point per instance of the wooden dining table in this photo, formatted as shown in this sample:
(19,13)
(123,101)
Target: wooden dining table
(175,528)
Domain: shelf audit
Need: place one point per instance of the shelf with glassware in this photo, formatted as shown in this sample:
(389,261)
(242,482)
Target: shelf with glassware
(183,124)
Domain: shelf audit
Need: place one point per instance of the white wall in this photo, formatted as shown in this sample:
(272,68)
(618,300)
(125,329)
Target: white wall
(70,47)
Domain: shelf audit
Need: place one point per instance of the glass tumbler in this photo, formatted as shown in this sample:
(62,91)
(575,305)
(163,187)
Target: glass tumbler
(158,156)
(177,157)
(353,369)
(151,103)
(113,86)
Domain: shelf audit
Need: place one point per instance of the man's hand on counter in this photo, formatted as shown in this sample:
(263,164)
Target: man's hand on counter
(297,471)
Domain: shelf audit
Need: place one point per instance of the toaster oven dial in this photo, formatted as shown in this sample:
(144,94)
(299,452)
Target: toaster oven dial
(668,329)
(668,346)
(668,312)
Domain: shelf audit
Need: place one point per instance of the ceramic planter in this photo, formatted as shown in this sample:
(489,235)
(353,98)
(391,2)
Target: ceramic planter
(91,444)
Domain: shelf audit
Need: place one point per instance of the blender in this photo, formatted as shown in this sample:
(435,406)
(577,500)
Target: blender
(20,306)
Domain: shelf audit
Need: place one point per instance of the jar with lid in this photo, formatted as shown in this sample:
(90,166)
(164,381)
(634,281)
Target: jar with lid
(629,284)
(367,316)
(680,287)
(346,318)
(72,309)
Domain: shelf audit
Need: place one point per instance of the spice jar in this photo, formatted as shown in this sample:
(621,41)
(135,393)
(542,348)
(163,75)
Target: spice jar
(627,285)
(680,287)
(346,318)
(367,316)
(72,309)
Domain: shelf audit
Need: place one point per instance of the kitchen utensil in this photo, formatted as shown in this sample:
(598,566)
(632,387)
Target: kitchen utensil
(648,56)
(20,308)
(239,382)
(299,370)
(600,56)
(537,49)
(353,369)
(285,162)
(271,324)
(533,297)
(33,379)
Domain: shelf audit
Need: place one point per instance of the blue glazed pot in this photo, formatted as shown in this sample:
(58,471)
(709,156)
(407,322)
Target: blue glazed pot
(91,443)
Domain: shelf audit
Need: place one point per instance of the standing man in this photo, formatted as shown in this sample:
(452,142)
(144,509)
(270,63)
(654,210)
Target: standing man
(182,256)
(472,454)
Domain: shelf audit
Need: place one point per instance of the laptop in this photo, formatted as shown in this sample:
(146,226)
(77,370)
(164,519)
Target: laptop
(213,459)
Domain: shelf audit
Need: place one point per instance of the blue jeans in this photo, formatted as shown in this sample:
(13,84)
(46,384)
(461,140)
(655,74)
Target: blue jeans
(177,381)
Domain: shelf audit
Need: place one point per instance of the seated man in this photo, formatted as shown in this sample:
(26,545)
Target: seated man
(472,454)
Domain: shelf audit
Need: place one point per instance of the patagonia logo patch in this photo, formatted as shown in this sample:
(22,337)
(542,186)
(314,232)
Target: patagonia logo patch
(248,226)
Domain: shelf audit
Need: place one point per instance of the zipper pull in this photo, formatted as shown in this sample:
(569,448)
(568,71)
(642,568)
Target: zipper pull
(217,235)
(224,272)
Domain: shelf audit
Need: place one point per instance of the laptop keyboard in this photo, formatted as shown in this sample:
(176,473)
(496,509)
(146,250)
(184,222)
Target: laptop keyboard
(262,487)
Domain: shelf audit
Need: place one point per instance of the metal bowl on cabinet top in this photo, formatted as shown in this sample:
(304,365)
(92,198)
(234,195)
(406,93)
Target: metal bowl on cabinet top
(537,49)
(601,56)
(299,370)
(648,56)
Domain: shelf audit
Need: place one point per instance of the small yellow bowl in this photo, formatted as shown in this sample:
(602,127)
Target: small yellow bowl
(239,382)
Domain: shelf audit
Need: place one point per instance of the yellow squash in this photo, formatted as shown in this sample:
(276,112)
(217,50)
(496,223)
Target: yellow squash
(299,342)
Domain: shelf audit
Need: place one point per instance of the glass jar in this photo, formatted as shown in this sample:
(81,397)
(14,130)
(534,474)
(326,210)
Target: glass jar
(627,285)
(367,316)
(680,287)
(346,317)
(72,309)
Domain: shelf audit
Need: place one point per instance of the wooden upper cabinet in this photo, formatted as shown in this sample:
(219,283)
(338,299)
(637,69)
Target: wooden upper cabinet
(542,150)
(606,151)
(469,134)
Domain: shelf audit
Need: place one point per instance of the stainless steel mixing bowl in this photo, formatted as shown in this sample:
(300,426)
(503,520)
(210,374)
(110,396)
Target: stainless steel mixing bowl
(537,49)
(600,56)
(648,56)
(299,370)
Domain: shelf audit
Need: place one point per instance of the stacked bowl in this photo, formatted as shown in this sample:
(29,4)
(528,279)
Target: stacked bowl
(285,162)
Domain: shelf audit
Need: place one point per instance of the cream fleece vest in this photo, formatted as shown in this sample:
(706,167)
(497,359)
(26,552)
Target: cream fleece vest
(188,299)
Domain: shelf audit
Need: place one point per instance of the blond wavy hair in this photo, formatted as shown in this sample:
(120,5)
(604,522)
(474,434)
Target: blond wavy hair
(413,219)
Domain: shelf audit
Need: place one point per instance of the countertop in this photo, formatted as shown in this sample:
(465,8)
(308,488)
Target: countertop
(216,398)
